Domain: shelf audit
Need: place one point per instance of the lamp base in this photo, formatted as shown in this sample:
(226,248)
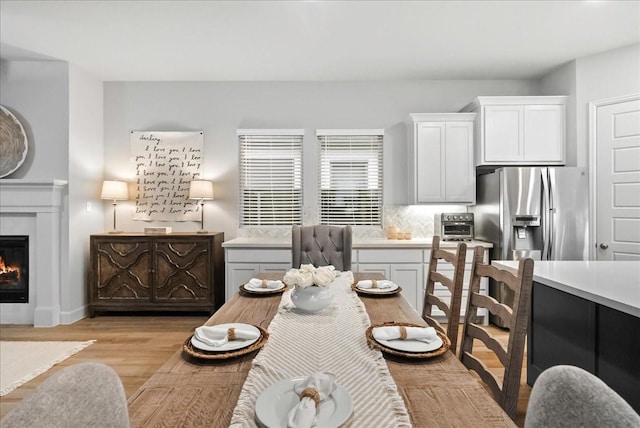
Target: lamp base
(202,232)
(115,231)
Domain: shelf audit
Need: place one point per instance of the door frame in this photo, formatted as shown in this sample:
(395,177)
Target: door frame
(593,140)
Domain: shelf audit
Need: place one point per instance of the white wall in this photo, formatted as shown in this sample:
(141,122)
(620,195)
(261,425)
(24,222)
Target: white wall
(37,93)
(219,108)
(607,75)
(86,163)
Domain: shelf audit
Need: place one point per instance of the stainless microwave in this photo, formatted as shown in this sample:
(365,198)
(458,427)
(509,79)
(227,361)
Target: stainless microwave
(454,226)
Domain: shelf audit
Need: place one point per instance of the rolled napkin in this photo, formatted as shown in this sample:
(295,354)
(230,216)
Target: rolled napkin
(262,284)
(218,336)
(381,284)
(312,390)
(422,334)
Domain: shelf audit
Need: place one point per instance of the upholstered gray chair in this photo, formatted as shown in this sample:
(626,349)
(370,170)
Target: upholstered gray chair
(568,396)
(322,245)
(82,395)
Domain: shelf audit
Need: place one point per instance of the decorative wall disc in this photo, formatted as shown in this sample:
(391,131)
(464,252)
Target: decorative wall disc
(13,143)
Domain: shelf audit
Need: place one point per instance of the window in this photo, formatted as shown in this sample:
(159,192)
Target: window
(350,177)
(270,177)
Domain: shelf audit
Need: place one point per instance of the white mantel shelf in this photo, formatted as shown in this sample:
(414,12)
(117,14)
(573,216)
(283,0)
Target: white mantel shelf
(30,196)
(615,284)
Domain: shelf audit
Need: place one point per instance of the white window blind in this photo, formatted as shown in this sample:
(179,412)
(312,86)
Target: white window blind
(350,177)
(270,177)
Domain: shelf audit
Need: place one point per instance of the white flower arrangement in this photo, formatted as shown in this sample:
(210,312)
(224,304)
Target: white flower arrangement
(309,275)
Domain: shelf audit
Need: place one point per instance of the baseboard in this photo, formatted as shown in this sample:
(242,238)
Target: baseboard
(69,317)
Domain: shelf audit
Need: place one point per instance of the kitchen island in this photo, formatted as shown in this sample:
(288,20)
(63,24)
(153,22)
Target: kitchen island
(586,314)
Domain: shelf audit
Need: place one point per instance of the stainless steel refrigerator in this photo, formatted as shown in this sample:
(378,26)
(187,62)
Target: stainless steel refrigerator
(536,212)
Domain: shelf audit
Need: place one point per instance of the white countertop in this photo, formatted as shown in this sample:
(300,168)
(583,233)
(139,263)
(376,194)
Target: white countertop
(612,284)
(418,243)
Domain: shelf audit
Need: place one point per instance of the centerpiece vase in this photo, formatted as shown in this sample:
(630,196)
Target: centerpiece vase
(311,299)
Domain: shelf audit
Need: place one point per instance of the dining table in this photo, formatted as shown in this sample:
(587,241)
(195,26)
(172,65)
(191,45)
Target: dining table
(188,392)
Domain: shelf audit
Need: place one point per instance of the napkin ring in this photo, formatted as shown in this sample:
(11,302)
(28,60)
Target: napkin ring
(311,393)
(231,333)
(374,283)
(264,283)
(403,332)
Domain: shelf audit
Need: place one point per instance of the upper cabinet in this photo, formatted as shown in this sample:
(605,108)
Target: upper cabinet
(441,165)
(520,130)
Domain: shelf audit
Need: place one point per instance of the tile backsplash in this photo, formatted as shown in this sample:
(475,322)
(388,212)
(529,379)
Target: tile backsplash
(417,219)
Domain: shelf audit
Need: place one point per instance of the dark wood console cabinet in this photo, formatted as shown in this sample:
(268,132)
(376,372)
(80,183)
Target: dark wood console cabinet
(141,272)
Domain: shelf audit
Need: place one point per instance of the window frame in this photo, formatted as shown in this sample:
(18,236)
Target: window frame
(364,149)
(258,150)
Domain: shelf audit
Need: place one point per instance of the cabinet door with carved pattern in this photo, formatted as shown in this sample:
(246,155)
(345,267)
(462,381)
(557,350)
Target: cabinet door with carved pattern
(183,270)
(123,269)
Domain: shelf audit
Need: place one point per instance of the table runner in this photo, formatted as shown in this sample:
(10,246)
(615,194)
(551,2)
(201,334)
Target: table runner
(332,341)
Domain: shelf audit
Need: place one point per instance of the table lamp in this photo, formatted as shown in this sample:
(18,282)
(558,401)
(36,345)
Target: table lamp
(115,191)
(203,191)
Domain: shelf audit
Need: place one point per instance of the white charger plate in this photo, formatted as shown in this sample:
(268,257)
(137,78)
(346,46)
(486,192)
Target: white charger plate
(379,290)
(231,345)
(275,403)
(411,345)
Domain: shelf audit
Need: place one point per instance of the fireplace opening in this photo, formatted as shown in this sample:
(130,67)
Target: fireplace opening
(14,269)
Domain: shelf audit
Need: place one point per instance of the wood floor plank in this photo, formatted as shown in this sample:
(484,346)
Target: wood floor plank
(136,346)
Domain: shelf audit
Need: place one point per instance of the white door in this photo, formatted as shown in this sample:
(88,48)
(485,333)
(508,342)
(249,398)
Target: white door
(617,178)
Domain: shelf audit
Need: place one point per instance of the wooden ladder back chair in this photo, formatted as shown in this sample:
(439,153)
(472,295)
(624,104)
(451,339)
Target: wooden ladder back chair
(505,390)
(453,283)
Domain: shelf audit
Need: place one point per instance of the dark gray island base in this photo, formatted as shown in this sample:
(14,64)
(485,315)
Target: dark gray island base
(566,329)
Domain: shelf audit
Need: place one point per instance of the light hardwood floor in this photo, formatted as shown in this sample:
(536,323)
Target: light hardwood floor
(136,346)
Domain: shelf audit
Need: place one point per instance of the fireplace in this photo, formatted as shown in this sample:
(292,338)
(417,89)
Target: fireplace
(14,269)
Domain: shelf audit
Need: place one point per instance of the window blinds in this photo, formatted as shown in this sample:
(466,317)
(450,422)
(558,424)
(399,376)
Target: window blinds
(270,177)
(350,177)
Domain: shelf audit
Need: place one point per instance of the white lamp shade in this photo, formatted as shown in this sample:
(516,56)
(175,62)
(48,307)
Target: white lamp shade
(201,189)
(115,190)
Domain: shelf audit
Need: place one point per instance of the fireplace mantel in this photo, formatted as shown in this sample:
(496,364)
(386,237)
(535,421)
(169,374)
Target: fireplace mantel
(22,201)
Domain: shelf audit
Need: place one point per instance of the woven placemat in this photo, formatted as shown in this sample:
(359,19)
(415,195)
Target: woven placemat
(194,352)
(252,293)
(373,343)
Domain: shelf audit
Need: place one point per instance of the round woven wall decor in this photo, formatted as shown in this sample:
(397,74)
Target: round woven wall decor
(13,143)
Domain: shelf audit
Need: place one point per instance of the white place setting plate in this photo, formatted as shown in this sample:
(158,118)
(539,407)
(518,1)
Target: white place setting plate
(262,290)
(232,344)
(411,345)
(379,290)
(275,403)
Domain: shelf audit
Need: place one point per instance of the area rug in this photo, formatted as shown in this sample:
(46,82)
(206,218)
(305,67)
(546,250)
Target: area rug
(22,361)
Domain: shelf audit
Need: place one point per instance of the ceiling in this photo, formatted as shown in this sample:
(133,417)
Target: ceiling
(315,40)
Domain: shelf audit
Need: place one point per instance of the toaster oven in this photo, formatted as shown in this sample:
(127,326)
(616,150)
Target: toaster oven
(454,226)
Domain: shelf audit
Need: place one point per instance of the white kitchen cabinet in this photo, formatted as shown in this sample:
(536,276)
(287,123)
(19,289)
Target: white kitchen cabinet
(242,264)
(441,158)
(520,130)
(402,266)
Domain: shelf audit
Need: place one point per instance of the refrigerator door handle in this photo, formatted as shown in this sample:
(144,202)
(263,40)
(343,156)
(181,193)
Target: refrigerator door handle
(552,211)
(545,214)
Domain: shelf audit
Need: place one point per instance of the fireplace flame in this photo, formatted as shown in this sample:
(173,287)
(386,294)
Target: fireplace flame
(5,270)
